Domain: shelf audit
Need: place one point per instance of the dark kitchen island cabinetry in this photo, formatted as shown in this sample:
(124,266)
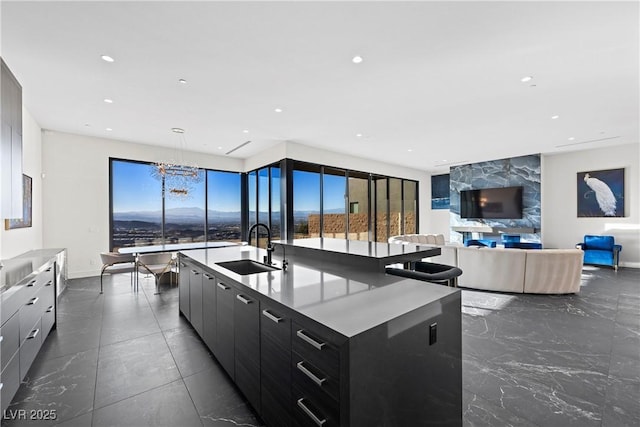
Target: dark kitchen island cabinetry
(322,346)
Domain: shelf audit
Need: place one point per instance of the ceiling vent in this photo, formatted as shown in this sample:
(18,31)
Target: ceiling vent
(237,148)
(586,142)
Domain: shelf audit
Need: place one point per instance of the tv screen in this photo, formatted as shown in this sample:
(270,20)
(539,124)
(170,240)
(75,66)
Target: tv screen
(491,203)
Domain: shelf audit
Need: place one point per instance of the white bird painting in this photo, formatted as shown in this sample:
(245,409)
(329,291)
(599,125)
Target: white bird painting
(604,196)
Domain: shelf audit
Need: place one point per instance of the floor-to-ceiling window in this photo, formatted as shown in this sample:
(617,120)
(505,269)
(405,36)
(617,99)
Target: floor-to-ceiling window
(184,211)
(334,218)
(136,204)
(224,201)
(275,202)
(410,200)
(306,201)
(381,204)
(358,193)
(395,206)
(148,208)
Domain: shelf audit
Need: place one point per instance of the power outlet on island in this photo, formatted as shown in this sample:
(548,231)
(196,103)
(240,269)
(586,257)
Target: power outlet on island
(433,333)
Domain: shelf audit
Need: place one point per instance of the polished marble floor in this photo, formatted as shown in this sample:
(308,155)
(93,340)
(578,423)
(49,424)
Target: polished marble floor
(128,359)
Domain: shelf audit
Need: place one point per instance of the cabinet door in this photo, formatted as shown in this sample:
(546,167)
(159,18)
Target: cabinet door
(247,346)
(183,288)
(209,310)
(195,300)
(275,365)
(224,349)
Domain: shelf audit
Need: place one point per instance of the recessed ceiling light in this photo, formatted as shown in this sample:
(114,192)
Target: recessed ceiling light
(526,79)
(359,135)
(554,117)
(219,148)
(182,81)
(278,110)
(409,150)
(571,138)
(108,129)
(107,58)
(177,130)
(356,59)
(245,131)
(108,101)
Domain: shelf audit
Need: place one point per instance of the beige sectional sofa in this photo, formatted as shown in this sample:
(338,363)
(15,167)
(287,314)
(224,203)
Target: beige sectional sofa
(536,271)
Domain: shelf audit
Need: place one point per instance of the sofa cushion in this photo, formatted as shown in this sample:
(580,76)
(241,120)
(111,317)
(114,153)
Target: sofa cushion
(603,243)
(593,256)
(553,271)
(495,269)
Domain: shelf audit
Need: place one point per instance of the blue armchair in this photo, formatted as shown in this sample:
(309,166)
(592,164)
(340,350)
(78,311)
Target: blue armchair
(483,243)
(600,250)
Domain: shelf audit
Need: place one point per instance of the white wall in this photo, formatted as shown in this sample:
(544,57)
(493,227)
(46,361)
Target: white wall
(17,241)
(76,191)
(307,153)
(560,225)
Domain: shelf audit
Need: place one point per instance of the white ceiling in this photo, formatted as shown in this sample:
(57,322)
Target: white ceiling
(441,79)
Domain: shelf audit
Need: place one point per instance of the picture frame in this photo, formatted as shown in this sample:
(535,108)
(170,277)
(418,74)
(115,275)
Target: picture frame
(27,207)
(600,193)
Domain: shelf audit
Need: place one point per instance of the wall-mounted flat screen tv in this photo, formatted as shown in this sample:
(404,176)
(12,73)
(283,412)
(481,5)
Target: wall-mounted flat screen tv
(491,203)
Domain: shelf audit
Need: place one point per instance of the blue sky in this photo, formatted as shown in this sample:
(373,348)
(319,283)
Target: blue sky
(135,189)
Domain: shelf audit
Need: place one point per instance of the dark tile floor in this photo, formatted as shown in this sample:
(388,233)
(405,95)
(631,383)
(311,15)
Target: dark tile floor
(128,359)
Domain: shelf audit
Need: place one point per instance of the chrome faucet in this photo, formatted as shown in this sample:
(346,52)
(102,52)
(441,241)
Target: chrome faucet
(270,247)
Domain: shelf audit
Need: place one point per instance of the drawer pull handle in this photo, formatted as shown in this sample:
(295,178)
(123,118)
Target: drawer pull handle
(223,286)
(31,283)
(310,374)
(1,385)
(271,316)
(50,309)
(196,272)
(49,283)
(34,334)
(1,338)
(243,300)
(309,340)
(33,301)
(207,276)
(314,417)
(48,269)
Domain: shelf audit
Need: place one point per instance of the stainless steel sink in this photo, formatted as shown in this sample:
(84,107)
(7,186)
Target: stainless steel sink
(246,266)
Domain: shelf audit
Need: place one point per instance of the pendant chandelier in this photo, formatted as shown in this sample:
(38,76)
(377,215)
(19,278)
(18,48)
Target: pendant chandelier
(178,176)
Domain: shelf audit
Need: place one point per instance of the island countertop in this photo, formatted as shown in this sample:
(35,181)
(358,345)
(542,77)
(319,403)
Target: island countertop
(348,300)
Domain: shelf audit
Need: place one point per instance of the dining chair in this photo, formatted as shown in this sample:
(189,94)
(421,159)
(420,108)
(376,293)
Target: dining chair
(115,263)
(157,264)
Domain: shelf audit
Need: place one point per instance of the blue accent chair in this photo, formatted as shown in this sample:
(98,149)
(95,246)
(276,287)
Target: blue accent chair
(600,250)
(480,242)
(523,245)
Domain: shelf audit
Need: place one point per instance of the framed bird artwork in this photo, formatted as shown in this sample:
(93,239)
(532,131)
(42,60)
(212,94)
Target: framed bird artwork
(601,193)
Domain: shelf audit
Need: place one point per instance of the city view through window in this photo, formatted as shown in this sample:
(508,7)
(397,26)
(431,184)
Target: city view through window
(354,205)
(139,217)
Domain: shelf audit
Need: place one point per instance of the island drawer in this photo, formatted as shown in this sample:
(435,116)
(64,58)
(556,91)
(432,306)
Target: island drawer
(309,376)
(314,408)
(29,348)
(10,339)
(317,349)
(276,325)
(10,381)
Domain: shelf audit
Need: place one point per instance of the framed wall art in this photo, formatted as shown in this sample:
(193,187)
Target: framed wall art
(27,207)
(601,193)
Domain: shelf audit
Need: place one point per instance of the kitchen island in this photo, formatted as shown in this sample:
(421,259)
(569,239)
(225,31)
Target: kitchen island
(328,345)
